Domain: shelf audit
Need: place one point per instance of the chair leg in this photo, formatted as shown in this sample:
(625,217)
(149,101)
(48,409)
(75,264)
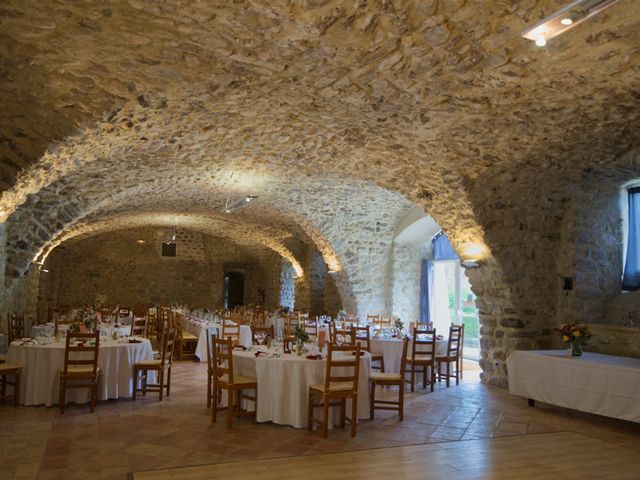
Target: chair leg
(161,373)
(214,406)
(229,408)
(61,399)
(424,376)
(325,418)
(3,387)
(16,390)
(169,381)
(413,376)
(372,402)
(310,411)
(343,412)
(447,371)
(354,415)
(401,401)
(432,369)
(208,389)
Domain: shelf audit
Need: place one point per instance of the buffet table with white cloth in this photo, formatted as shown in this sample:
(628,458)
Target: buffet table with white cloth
(391,351)
(202,329)
(595,383)
(41,365)
(283,385)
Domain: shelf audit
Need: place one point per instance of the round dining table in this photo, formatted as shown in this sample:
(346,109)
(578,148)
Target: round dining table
(41,365)
(391,351)
(203,328)
(283,385)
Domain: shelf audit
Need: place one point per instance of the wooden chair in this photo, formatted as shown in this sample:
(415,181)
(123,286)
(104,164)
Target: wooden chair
(362,336)
(232,331)
(83,368)
(343,330)
(139,327)
(184,339)
(383,322)
(290,323)
(373,319)
(161,366)
(338,386)
(225,379)
(461,351)
(389,380)
(7,369)
(269,331)
(15,324)
(311,327)
(452,357)
(422,357)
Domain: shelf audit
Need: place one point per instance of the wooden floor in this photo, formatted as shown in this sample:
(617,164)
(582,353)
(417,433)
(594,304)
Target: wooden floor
(563,455)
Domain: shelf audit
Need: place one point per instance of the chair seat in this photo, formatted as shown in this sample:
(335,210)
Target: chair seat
(334,387)
(387,377)
(3,357)
(443,358)
(149,363)
(9,368)
(420,358)
(80,370)
(237,380)
(186,336)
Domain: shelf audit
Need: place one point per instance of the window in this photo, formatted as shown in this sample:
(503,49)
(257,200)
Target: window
(631,275)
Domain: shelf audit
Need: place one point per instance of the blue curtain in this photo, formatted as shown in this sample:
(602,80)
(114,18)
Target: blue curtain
(442,249)
(631,277)
(426,291)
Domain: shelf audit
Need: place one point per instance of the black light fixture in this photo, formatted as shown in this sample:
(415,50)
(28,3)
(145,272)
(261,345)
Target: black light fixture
(169,246)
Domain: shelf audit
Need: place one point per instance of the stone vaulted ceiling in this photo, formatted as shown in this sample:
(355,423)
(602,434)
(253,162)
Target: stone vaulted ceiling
(329,110)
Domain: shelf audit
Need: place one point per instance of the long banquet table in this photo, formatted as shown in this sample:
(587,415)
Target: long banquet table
(595,383)
(41,365)
(283,385)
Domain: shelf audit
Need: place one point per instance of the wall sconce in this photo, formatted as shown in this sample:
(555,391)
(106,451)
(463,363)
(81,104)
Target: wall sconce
(564,19)
(472,254)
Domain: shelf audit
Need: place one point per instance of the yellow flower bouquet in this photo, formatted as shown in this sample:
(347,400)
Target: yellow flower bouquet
(574,336)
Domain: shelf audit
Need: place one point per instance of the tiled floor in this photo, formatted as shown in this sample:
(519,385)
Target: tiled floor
(123,436)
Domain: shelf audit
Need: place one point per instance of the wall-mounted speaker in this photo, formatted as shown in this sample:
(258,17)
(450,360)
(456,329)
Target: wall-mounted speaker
(168,249)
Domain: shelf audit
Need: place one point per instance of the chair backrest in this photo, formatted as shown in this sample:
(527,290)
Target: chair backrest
(222,358)
(87,355)
(361,336)
(337,364)
(342,330)
(232,331)
(259,317)
(383,322)
(373,319)
(124,312)
(139,326)
(168,346)
(456,334)
(424,342)
(15,325)
(290,323)
(311,327)
(403,359)
(176,321)
(210,350)
(269,331)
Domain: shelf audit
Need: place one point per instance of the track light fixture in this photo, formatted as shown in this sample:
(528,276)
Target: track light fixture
(230,208)
(564,19)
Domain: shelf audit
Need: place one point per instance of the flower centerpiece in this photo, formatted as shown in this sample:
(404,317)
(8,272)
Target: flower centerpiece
(301,337)
(399,324)
(574,336)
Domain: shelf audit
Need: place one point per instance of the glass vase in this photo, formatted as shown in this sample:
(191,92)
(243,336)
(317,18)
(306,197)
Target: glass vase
(576,349)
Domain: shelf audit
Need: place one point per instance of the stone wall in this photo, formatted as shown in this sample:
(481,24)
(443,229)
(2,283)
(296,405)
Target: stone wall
(118,269)
(287,286)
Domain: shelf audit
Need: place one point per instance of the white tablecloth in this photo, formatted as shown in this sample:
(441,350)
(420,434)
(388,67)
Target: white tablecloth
(595,383)
(283,386)
(42,364)
(391,351)
(203,329)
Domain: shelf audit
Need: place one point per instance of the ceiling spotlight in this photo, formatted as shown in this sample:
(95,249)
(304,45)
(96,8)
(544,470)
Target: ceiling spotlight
(140,241)
(229,208)
(564,19)
(45,270)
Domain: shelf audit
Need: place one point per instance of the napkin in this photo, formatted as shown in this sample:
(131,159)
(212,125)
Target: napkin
(317,356)
(239,347)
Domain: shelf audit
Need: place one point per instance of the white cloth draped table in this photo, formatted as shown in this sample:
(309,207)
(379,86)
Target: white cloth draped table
(391,351)
(283,386)
(202,329)
(595,383)
(41,365)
